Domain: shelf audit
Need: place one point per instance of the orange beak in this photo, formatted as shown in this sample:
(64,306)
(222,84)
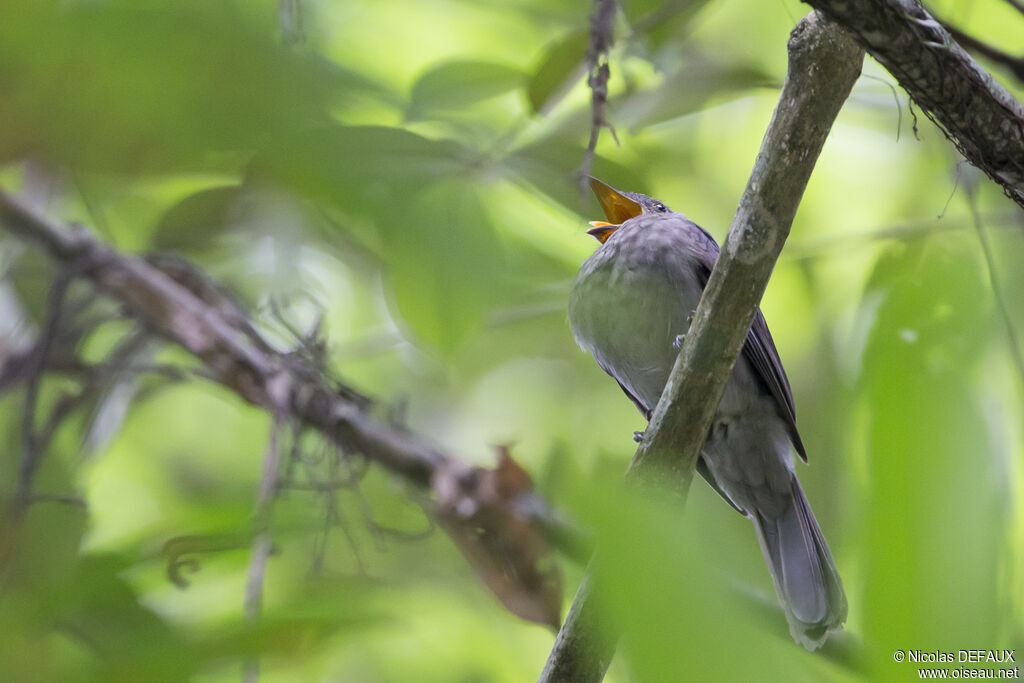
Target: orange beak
(618,208)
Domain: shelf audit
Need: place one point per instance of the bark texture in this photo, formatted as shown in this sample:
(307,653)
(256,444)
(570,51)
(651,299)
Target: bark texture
(977,114)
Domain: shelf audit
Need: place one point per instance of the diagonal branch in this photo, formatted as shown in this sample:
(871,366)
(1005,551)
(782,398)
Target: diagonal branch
(483,505)
(1013,63)
(1017,5)
(824,63)
(975,112)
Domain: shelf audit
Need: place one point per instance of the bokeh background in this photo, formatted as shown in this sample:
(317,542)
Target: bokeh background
(406,172)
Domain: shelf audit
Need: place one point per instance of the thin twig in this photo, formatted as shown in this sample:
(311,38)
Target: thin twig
(952,193)
(602,24)
(895,97)
(262,542)
(814,248)
(997,291)
(289,16)
(31,452)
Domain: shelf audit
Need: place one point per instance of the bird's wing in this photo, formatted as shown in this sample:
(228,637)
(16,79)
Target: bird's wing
(759,349)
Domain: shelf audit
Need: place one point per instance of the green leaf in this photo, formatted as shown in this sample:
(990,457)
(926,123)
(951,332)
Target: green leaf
(454,85)
(132,641)
(560,68)
(445,263)
(687,91)
(550,166)
(364,170)
(937,513)
(31,278)
(196,220)
(657,22)
(144,86)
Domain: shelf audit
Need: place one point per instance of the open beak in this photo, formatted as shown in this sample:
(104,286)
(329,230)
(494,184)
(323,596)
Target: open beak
(618,208)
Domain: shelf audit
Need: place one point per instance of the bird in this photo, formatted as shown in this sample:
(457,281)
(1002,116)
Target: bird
(629,307)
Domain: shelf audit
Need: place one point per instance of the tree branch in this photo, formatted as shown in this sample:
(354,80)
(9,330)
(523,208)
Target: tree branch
(975,112)
(1014,64)
(252,604)
(481,504)
(823,65)
(1017,5)
(602,25)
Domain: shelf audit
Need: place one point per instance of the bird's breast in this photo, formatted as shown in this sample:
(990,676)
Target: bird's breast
(629,302)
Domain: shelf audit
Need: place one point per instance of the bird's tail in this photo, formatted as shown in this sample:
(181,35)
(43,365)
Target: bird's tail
(803,570)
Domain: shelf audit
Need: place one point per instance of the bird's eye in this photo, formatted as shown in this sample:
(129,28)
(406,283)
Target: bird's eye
(661,208)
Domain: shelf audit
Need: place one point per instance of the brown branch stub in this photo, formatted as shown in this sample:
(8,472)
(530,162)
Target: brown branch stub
(473,506)
(978,115)
(824,63)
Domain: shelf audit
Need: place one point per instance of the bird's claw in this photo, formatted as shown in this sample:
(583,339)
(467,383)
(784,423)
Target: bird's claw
(638,436)
(678,343)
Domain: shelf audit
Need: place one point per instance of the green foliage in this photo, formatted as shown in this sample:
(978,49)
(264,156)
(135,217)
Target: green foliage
(407,179)
(562,64)
(452,86)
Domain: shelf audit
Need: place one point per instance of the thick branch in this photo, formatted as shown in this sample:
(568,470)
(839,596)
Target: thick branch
(292,387)
(1011,62)
(823,66)
(975,112)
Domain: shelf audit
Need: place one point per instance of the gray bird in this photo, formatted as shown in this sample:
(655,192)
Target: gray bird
(629,303)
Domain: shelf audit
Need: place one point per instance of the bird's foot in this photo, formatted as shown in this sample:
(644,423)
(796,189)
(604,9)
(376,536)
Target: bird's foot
(678,343)
(638,436)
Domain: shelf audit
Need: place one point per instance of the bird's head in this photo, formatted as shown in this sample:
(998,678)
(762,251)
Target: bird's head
(619,207)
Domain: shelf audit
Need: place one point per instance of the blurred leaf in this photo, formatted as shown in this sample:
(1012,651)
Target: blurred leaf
(446,265)
(680,616)
(455,85)
(637,9)
(196,221)
(428,223)
(139,86)
(560,68)
(284,635)
(367,171)
(935,486)
(688,91)
(36,568)
(657,22)
(133,643)
(550,166)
